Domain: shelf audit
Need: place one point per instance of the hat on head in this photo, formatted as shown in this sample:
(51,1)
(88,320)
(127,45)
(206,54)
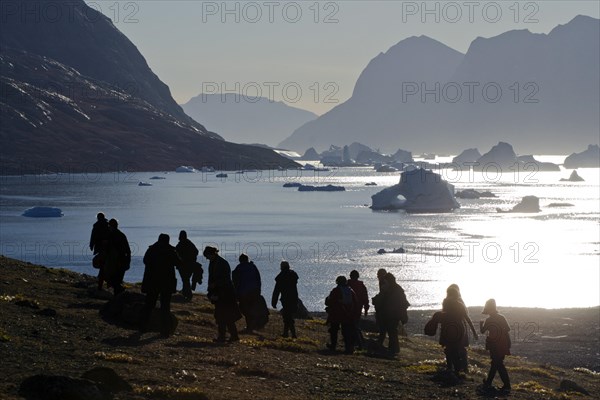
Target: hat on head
(209,251)
(490,307)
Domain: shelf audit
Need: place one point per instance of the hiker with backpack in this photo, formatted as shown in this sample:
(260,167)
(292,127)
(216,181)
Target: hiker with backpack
(343,310)
(247,284)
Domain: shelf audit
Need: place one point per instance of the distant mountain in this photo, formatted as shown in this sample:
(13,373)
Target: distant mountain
(424,96)
(246,120)
(77,95)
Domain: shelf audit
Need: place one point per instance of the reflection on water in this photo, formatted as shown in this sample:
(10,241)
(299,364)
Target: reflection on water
(544,260)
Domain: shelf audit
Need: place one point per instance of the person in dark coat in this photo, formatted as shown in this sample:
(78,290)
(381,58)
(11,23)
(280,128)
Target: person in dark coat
(247,284)
(392,304)
(497,342)
(98,245)
(453,331)
(380,275)
(188,253)
(362,296)
(222,294)
(463,361)
(118,257)
(286,286)
(160,261)
(343,309)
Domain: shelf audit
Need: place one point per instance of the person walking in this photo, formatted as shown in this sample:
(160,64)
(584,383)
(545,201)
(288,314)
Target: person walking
(159,280)
(463,361)
(362,295)
(118,257)
(222,294)
(453,331)
(497,342)
(286,286)
(393,310)
(379,306)
(342,310)
(99,245)
(188,253)
(247,285)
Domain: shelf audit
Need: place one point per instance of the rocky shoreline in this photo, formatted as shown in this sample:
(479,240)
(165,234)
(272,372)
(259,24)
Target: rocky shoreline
(51,325)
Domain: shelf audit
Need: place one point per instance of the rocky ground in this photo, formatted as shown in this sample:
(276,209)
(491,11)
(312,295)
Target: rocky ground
(50,324)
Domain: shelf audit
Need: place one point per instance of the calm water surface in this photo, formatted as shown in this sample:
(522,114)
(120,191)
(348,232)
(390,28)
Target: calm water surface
(550,259)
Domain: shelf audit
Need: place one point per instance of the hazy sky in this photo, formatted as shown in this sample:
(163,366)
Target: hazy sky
(306,53)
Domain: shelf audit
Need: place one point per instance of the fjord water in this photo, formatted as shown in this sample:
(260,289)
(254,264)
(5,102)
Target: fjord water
(550,259)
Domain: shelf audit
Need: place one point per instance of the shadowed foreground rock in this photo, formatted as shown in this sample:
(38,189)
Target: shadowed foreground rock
(125,309)
(48,387)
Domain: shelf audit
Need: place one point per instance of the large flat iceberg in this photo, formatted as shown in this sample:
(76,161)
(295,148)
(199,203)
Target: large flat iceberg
(43,212)
(422,191)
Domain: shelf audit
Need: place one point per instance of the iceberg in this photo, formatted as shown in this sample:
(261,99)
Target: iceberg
(573,178)
(589,158)
(423,191)
(185,169)
(43,212)
(529,204)
(328,188)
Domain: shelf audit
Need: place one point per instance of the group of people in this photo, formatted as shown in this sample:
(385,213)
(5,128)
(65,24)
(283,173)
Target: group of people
(345,305)
(237,293)
(112,254)
(454,336)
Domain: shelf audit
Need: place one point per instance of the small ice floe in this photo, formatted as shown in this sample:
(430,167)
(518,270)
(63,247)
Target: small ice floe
(43,212)
(399,250)
(144,184)
(328,188)
(185,169)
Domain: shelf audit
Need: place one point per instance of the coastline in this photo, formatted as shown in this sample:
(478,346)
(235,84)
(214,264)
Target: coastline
(51,325)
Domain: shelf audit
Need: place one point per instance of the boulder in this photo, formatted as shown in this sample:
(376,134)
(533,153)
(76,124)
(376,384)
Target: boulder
(567,385)
(422,191)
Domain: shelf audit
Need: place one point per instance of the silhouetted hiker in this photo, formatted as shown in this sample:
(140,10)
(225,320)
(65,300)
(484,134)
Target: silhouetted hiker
(463,363)
(159,280)
(453,331)
(362,296)
(285,285)
(118,257)
(342,309)
(380,274)
(222,295)
(188,253)
(247,284)
(497,342)
(98,245)
(392,304)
